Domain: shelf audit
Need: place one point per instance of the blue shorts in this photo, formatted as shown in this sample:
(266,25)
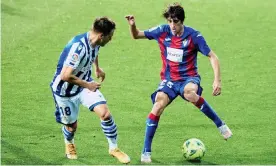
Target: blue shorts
(173,89)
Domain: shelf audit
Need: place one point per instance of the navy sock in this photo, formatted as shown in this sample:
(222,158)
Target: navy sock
(208,111)
(68,135)
(109,128)
(152,124)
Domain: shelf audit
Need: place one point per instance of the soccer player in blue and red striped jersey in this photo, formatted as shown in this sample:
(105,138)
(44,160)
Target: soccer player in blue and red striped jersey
(179,46)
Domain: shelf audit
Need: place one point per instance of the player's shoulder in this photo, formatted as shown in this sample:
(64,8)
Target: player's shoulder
(165,27)
(160,28)
(80,39)
(191,30)
(76,44)
(194,33)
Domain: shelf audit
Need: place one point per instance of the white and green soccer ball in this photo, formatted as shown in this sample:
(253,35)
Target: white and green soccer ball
(193,149)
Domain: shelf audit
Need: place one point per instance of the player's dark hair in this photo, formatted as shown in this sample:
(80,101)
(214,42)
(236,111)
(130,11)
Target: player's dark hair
(103,25)
(175,11)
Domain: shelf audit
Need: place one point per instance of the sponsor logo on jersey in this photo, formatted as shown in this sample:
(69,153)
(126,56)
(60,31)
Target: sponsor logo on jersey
(175,55)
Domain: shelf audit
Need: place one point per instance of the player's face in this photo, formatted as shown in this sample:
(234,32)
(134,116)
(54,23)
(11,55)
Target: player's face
(105,39)
(175,25)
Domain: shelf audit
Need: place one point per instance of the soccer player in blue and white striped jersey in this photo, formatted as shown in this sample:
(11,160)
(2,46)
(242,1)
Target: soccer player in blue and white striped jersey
(73,85)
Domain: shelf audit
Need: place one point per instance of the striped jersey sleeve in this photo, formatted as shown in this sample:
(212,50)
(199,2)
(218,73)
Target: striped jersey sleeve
(75,55)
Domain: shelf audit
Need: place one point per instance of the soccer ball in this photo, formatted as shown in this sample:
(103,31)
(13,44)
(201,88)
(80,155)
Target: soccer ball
(193,149)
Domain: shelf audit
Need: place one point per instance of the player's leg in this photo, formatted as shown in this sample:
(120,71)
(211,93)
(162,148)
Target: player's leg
(66,113)
(191,94)
(96,102)
(68,131)
(109,128)
(161,99)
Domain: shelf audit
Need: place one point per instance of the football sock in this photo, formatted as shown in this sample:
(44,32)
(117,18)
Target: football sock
(110,130)
(152,124)
(68,135)
(208,111)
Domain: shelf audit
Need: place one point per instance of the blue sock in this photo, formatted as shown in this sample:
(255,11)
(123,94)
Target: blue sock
(69,136)
(110,130)
(152,124)
(208,111)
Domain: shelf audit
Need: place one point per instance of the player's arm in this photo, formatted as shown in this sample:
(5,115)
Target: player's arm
(76,53)
(99,71)
(205,50)
(135,33)
(216,68)
(66,74)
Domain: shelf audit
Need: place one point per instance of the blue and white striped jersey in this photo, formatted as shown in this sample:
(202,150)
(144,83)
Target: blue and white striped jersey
(79,55)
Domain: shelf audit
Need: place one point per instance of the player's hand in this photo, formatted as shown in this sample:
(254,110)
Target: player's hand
(100,74)
(130,19)
(216,88)
(93,86)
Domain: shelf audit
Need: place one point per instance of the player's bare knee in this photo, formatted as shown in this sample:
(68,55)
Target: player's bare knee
(102,111)
(71,128)
(190,95)
(106,115)
(162,98)
(161,104)
(158,106)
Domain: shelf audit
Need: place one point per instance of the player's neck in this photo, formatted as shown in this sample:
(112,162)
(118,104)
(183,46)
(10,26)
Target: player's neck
(92,38)
(181,32)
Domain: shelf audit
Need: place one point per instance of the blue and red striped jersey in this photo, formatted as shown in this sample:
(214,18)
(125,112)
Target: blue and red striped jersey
(178,53)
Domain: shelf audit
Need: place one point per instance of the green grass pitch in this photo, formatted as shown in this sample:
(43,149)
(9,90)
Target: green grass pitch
(241,32)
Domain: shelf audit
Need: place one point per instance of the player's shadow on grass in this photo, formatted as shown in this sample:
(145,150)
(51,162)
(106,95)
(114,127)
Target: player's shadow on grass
(185,162)
(10,10)
(22,157)
(20,154)
(182,162)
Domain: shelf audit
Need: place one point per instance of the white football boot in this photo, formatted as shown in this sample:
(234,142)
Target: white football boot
(146,157)
(225,131)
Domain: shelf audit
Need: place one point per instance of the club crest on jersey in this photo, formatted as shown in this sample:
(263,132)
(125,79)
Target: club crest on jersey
(75,57)
(167,39)
(185,42)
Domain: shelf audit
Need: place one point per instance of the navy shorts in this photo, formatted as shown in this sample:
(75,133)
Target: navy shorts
(175,88)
